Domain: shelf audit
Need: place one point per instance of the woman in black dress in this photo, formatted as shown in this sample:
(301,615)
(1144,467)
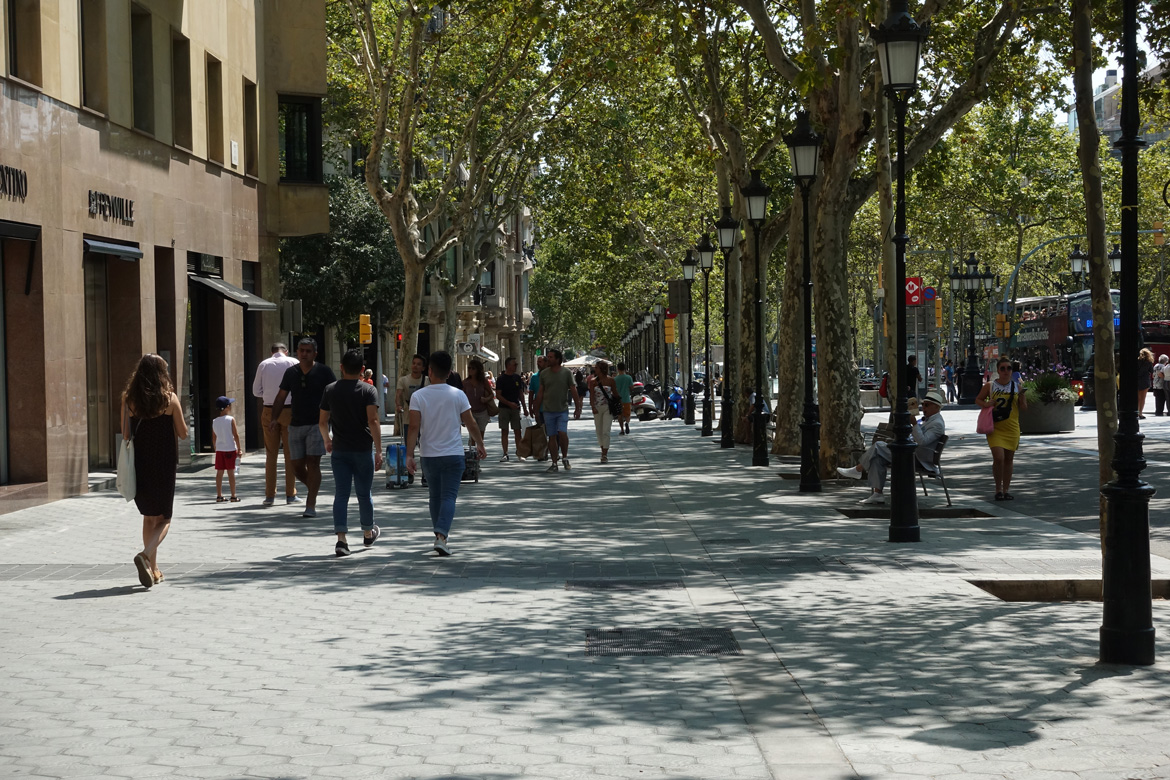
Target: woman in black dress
(152,415)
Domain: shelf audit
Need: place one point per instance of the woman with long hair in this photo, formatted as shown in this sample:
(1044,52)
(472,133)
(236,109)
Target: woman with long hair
(152,415)
(477,389)
(1145,378)
(1006,398)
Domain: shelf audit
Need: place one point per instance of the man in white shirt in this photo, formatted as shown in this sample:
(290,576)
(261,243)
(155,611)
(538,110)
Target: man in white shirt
(265,387)
(437,411)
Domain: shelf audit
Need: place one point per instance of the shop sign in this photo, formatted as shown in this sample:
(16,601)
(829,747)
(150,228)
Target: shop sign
(111,207)
(13,183)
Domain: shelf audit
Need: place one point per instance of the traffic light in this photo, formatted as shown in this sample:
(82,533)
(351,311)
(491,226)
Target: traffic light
(669,331)
(398,342)
(938,313)
(1003,328)
(365,332)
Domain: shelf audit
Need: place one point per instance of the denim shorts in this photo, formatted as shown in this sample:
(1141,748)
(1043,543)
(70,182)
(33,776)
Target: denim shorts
(556,422)
(304,441)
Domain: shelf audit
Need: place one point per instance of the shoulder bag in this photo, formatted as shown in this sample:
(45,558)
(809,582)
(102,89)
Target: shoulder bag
(614,401)
(998,414)
(489,402)
(127,481)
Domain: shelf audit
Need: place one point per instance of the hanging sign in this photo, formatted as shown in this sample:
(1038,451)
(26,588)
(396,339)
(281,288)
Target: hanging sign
(914,294)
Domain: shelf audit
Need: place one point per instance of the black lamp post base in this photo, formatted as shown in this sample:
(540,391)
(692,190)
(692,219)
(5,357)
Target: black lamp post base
(689,417)
(970,383)
(760,439)
(903,491)
(902,534)
(727,421)
(1132,648)
(810,456)
(708,428)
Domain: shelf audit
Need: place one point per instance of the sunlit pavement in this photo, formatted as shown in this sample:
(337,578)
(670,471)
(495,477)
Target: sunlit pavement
(263,656)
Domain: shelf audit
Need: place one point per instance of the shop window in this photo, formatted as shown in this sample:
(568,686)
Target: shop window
(251,136)
(142,67)
(93,55)
(24,40)
(214,110)
(181,90)
(249,275)
(299,130)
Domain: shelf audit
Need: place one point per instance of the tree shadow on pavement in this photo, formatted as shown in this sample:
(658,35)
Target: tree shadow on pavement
(101,593)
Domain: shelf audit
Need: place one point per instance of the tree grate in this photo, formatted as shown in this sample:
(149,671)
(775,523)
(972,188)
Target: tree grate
(623,584)
(737,540)
(661,642)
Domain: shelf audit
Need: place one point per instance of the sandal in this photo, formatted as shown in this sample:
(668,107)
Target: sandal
(234,500)
(145,577)
(220,499)
(605,459)
(158,576)
(999,496)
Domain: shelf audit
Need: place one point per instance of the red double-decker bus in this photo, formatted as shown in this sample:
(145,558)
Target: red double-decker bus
(1053,331)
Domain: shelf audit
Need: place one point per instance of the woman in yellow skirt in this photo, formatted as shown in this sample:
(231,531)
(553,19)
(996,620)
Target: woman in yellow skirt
(1006,398)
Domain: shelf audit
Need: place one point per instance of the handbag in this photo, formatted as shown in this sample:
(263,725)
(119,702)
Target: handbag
(489,403)
(614,401)
(985,425)
(127,481)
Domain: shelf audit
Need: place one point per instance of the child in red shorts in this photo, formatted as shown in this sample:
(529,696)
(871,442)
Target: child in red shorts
(225,440)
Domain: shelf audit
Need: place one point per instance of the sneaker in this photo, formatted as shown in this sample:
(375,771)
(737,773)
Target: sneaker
(368,541)
(292,499)
(269,501)
(341,550)
(849,473)
(504,459)
(310,511)
(441,546)
(552,469)
(565,463)
(874,498)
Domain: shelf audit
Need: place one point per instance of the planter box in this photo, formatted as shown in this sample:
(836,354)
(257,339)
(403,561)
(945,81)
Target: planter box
(1048,418)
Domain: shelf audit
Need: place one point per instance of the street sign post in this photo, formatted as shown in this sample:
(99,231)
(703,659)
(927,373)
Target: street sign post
(914,291)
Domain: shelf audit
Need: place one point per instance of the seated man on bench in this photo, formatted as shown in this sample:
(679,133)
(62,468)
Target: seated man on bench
(926,433)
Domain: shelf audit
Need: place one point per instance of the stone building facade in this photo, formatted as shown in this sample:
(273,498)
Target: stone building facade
(162,149)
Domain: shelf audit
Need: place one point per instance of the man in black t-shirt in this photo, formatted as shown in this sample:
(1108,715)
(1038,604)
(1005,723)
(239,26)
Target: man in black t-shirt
(510,394)
(307,382)
(351,406)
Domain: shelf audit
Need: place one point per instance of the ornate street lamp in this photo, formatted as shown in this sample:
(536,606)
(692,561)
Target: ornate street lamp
(756,195)
(899,47)
(706,252)
(804,149)
(1079,262)
(728,227)
(659,346)
(1115,259)
(1127,628)
(689,266)
(972,286)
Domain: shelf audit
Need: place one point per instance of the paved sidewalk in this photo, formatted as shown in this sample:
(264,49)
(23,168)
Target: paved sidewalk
(263,656)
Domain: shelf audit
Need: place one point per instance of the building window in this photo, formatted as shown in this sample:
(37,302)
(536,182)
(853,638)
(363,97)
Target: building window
(249,276)
(24,40)
(299,131)
(251,131)
(214,110)
(142,68)
(93,55)
(181,90)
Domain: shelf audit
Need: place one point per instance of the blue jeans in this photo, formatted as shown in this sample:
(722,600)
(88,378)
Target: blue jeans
(358,468)
(443,476)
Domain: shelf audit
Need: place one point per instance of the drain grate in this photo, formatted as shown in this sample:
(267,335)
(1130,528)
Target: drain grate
(623,585)
(727,540)
(661,642)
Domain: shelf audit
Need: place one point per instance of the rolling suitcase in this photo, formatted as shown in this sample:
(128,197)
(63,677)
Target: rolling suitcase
(470,465)
(396,474)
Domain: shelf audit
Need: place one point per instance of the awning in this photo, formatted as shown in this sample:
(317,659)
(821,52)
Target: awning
(486,354)
(19,230)
(234,294)
(119,250)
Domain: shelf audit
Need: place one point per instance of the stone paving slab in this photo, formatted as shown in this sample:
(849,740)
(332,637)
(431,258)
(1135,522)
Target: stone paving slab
(262,656)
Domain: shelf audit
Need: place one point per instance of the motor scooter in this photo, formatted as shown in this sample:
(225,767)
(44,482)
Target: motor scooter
(641,405)
(675,404)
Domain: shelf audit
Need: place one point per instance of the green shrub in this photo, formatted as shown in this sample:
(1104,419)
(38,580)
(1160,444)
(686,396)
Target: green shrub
(1049,388)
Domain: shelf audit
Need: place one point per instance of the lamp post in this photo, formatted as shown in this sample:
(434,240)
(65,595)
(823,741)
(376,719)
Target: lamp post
(899,46)
(973,286)
(659,346)
(728,227)
(706,252)
(804,150)
(1127,629)
(756,194)
(689,266)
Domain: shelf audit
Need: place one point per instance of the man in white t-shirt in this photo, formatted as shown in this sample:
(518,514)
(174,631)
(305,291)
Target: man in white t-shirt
(436,412)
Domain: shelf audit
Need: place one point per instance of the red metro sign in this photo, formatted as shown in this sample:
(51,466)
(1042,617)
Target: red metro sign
(914,291)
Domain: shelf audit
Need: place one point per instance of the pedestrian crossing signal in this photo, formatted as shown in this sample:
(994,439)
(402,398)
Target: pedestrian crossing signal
(365,332)
(398,342)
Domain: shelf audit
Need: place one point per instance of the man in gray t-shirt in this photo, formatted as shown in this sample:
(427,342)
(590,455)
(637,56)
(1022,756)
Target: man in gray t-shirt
(556,385)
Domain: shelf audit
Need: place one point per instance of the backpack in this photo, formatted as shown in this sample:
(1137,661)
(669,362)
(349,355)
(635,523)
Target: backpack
(884,388)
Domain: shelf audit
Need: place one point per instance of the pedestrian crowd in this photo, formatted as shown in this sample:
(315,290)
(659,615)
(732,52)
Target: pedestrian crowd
(308,412)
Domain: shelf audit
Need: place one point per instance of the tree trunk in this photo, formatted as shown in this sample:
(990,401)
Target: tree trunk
(414,275)
(450,319)
(1088,153)
(789,409)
